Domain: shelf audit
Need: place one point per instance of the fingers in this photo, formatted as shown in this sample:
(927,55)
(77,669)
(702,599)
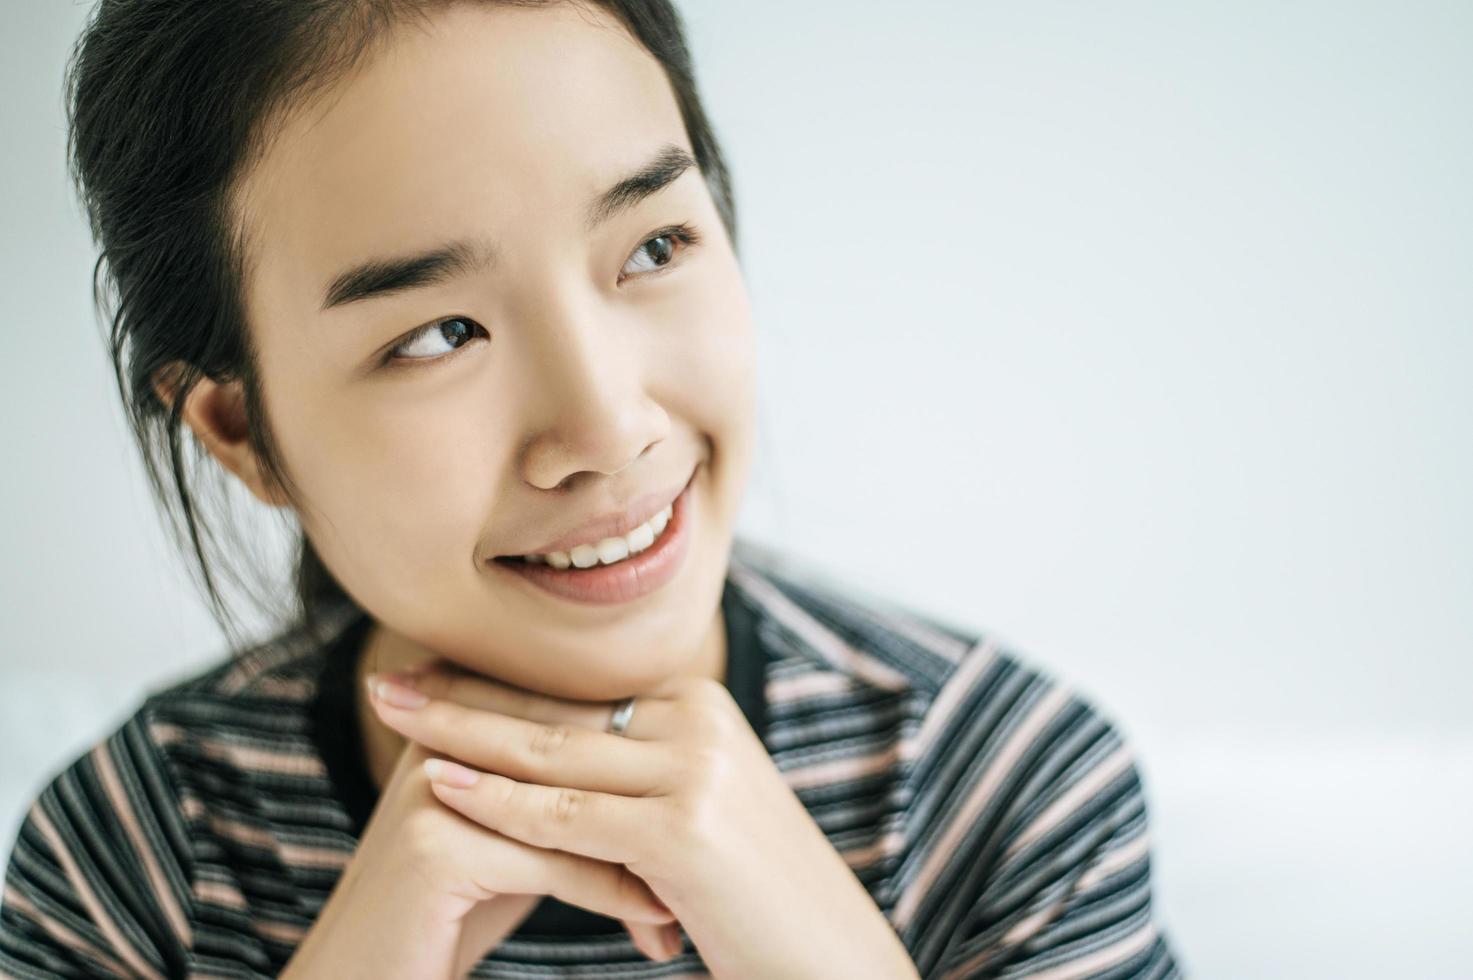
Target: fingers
(546,753)
(653,718)
(501,865)
(608,827)
(674,941)
(608,889)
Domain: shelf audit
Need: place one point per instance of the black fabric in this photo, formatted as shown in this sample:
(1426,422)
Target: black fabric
(335,730)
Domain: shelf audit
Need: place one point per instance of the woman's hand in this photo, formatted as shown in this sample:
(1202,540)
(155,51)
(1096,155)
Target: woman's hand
(687,799)
(427,892)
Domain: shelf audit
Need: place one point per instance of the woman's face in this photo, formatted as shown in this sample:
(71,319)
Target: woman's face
(564,366)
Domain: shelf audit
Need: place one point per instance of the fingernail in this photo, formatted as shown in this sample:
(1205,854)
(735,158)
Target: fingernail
(450,773)
(396,694)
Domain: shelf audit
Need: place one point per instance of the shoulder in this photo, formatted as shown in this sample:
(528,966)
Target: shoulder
(962,677)
(123,841)
(247,698)
(162,765)
(1000,756)
(282,666)
(820,621)
(247,719)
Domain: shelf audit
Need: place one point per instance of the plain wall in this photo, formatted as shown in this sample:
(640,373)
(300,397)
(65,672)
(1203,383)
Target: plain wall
(1137,334)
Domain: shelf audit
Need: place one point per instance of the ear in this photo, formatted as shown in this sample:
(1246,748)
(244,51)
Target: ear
(215,412)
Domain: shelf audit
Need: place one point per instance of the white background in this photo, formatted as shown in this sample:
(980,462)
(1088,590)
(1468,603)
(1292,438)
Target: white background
(1136,334)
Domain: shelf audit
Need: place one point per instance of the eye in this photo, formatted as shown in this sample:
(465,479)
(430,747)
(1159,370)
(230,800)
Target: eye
(426,343)
(658,251)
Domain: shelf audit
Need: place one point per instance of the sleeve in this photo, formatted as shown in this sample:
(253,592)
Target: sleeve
(97,880)
(1066,891)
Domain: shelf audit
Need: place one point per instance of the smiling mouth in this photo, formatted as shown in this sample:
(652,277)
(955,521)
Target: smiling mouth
(654,529)
(624,579)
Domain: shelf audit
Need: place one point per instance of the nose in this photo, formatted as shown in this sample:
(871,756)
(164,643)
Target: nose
(591,410)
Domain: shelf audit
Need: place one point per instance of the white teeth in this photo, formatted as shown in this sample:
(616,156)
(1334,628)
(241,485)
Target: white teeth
(642,537)
(610,550)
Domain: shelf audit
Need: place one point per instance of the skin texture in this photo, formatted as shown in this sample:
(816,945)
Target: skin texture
(592,376)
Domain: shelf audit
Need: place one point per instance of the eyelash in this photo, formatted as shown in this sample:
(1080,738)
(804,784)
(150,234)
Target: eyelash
(684,233)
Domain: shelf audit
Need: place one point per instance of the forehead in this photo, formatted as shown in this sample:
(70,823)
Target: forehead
(480,119)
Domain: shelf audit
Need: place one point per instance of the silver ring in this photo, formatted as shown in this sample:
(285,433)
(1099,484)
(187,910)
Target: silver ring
(620,722)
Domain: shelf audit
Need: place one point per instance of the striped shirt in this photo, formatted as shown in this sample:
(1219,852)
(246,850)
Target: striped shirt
(996,818)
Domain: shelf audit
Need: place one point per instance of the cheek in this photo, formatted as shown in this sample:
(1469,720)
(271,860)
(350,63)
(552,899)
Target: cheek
(429,472)
(715,376)
(404,480)
(716,365)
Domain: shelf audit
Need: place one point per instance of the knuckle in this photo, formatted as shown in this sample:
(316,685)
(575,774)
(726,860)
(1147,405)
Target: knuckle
(504,791)
(548,739)
(564,805)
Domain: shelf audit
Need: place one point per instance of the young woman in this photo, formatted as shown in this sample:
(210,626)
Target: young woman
(455,287)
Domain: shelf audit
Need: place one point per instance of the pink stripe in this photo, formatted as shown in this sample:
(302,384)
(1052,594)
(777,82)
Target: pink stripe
(219,894)
(124,809)
(944,645)
(1112,861)
(241,833)
(823,640)
(1092,963)
(66,937)
(1102,866)
(859,858)
(192,807)
(282,932)
(300,855)
(89,899)
(1073,798)
(842,770)
(250,666)
(944,849)
(783,690)
(957,686)
(245,757)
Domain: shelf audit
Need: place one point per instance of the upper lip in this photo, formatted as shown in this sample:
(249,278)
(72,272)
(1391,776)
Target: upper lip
(615,524)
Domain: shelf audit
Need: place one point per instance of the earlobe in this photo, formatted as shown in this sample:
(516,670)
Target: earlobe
(216,413)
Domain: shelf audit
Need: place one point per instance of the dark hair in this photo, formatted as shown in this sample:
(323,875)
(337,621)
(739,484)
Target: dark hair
(169,103)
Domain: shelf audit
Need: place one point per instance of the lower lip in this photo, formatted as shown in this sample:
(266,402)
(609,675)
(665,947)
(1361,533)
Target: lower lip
(624,580)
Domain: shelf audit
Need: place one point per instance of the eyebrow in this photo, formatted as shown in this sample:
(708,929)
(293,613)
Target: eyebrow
(382,276)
